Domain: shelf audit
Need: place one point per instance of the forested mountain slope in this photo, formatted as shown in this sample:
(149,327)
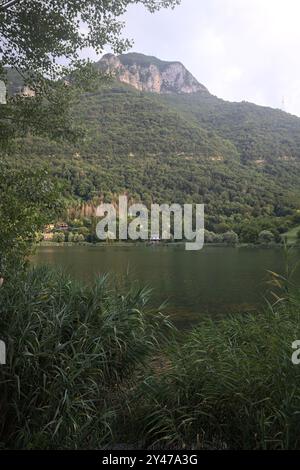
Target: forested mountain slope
(241,160)
(259,133)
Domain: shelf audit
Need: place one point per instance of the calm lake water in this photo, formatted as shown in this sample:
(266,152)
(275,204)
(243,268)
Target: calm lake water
(214,281)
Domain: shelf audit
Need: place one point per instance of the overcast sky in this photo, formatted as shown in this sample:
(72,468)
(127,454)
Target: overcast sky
(240,49)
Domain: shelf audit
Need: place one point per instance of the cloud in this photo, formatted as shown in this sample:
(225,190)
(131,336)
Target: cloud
(239,49)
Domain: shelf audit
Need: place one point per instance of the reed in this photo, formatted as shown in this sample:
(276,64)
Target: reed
(229,384)
(89,367)
(71,350)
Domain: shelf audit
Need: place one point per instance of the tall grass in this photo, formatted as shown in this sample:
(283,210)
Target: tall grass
(229,384)
(87,367)
(71,350)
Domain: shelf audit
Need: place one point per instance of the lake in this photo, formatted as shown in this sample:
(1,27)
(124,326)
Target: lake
(214,281)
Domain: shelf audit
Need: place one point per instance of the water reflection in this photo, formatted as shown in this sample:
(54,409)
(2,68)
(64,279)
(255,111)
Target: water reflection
(214,281)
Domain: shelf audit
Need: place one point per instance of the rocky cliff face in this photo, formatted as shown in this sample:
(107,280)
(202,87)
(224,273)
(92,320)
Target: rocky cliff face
(150,74)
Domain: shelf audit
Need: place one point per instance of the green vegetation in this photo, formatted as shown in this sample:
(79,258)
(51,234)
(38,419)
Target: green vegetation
(72,351)
(87,366)
(292,235)
(28,199)
(229,384)
(151,148)
(260,134)
(35,36)
(90,367)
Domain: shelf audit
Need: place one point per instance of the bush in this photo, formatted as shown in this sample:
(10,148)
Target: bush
(84,231)
(209,236)
(249,234)
(218,238)
(71,351)
(222,227)
(266,237)
(59,237)
(70,237)
(231,238)
(78,238)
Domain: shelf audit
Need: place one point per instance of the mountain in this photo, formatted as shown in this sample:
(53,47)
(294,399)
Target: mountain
(260,134)
(120,120)
(172,141)
(146,73)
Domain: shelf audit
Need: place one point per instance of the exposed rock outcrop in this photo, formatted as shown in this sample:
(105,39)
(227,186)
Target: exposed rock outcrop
(146,73)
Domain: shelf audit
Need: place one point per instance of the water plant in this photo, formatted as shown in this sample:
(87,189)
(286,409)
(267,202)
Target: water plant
(70,351)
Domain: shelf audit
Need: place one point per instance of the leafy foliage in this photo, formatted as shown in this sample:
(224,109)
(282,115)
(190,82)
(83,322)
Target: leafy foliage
(179,148)
(261,135)
(36,38)
(71,351)
(27,201)
(35,34)
(230,384)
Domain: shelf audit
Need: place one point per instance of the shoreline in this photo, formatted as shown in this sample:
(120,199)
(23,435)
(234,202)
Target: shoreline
(158,244)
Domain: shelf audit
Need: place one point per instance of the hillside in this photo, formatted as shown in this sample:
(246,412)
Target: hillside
(260,134)
(241,160)
(121,120)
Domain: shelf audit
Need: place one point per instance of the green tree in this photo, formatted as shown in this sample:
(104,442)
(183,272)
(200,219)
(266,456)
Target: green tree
(266,237)
(59,237)
(28,200)
(36,36)
(70,236)
(78,238)
(209,236)
(249,234)
(222,227)
(218,238)
(83,231)
(231,238)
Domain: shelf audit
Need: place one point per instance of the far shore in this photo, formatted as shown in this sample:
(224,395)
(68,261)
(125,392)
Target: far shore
(158,244)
